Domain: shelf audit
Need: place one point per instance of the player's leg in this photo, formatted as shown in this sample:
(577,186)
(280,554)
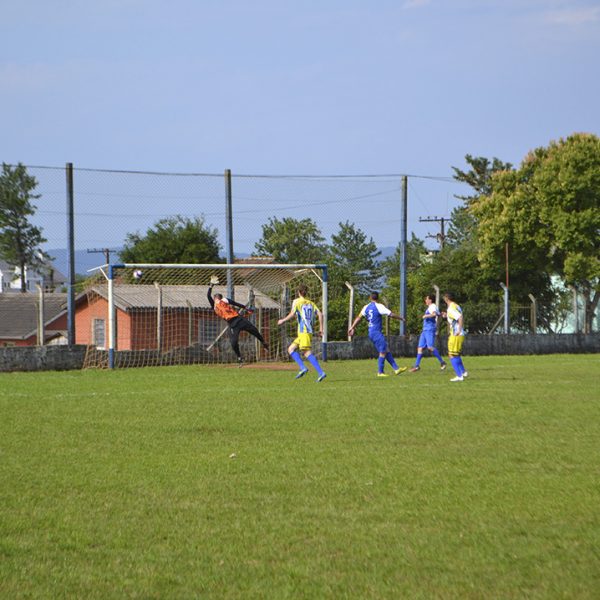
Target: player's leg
(390,358)
(380,344)
(421,344)
(252,330)
(430,339)
(314,361)
(454,352)
(234,335)
(293,352)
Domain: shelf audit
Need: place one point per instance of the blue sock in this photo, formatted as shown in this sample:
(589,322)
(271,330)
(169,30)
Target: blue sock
(391,360)
(438,355)
(455,362)
(380,363)
(296,356)
(418,361)
(462,366)
(312,359)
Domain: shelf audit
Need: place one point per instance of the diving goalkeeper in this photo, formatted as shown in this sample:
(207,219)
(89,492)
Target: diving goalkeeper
(226,309)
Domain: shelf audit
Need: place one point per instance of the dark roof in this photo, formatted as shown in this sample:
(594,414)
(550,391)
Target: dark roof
(136,296)
(19,313)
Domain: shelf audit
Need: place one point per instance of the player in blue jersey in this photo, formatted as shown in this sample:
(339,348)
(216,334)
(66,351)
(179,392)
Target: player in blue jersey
(304,311)
(456,336)
(373,313)
(427,337)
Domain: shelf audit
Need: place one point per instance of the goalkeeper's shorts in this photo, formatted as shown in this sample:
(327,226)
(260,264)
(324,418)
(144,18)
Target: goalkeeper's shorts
(304,341)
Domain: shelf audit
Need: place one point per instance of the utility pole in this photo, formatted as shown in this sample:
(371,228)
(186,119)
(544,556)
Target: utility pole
(441,236)
(106,251)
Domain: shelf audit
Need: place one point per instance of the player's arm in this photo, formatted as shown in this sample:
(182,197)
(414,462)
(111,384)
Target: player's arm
(354,324)
(209,296)
(287,318)
(393,315)
(320,317)
(236,304)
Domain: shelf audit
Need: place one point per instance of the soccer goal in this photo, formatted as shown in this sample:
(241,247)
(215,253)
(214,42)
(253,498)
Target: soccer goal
(135,315)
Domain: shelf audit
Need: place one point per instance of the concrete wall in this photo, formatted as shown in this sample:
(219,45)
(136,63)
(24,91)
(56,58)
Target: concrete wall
(476,345)
(62,358)
(42,358)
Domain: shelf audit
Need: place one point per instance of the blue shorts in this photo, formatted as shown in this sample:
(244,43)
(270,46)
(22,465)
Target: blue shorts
(427,339)
(379,341)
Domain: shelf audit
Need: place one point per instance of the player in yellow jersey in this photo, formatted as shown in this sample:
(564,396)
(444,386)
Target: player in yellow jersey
(456,337)
(304,310)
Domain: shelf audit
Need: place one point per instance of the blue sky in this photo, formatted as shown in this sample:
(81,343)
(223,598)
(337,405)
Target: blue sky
(306,87)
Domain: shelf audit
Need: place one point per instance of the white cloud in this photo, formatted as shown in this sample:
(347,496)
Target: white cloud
(574,16)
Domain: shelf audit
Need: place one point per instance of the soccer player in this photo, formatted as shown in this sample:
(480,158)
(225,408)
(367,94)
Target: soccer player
(373,313)
(427,337)
(304,310)
(226,309)
(456,336)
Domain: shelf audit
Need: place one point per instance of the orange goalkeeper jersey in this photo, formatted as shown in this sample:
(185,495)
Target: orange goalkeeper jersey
(225,310)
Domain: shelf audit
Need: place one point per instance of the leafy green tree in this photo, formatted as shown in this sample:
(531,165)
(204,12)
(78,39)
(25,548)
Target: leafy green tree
(354,259)
(19,240)
(479,176)
(548,211)
(292,241)
(175,239)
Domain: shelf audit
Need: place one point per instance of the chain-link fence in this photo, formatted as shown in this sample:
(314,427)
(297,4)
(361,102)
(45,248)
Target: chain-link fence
(109,205)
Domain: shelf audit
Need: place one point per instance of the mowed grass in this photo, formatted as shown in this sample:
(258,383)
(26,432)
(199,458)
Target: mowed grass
(218,482)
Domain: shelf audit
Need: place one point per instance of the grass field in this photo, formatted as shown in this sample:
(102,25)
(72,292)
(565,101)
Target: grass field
(217,482)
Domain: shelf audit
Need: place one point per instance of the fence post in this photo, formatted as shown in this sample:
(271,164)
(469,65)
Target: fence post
(159,304)
(403,253)
(229,227)
(533,313)
(575,309)
(506,309)
(40,316)
(351,307)
(71,254)
(437,319)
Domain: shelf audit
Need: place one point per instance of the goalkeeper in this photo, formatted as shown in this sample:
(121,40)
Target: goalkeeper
(226,309)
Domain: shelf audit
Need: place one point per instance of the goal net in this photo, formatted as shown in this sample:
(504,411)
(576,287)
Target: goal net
(136,315)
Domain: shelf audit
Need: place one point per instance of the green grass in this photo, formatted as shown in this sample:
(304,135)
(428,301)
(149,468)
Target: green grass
(217,482)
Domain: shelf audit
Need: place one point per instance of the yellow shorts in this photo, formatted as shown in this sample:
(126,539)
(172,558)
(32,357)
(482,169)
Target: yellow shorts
(303,341)
(455,344)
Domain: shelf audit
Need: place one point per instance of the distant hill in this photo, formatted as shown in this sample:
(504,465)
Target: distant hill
(84,260)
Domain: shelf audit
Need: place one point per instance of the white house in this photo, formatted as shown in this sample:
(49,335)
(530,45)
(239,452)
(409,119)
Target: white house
(10,278)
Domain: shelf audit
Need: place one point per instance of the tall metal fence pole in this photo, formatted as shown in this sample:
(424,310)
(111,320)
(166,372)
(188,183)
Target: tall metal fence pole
(506,309)
(229,228)
(71,256)
(533,313)
(403,254)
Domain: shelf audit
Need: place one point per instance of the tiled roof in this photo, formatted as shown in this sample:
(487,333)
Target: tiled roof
(19,313)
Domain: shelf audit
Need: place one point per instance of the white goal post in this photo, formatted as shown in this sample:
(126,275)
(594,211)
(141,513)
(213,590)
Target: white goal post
(159,314)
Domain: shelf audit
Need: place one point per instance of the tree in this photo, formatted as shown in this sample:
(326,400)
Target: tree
(479,176)
(548,211)
(463,224)
(353,258)
(292,241)
(19,240)
(175,239)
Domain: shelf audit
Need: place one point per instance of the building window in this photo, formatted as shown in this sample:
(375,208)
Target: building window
(99,335)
